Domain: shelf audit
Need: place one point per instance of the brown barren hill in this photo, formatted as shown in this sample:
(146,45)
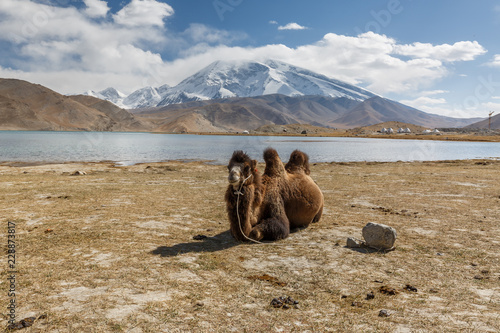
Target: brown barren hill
(484,124)
(378,110)
(27,106)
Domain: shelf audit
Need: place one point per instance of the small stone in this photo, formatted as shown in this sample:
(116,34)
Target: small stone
(354,243)
(370,295)
(200,304)
(410,288)
(27,322)
(379,236)
(79,173)
(200,237)
(384,313)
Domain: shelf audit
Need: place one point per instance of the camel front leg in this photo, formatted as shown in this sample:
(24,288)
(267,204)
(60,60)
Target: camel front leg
(273,228)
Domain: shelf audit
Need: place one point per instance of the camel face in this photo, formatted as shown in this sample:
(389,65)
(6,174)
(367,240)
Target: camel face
(240,168)
(235,174)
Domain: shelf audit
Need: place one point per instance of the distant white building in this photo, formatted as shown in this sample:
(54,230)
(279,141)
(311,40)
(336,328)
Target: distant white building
(401,130)
(390,131)
(407,130)
(246,132)
(427,131)
(436,131)
(384,130)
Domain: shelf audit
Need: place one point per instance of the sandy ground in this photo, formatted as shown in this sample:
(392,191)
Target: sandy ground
(113,251)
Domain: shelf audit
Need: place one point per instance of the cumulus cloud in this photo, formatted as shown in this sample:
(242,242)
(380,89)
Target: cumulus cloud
(143,13)
(292,26)
(460,51)
(96,8)
(495,62)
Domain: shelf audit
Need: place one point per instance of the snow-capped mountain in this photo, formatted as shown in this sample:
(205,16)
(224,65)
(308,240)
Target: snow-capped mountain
(223,79)
(108,94)
(145,97)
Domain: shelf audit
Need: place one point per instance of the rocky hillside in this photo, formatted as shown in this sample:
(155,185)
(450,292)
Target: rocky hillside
(27,106)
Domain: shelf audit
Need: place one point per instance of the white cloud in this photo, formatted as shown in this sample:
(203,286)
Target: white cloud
(273,22)
(490,106)
(460,51)
(433,92)
(422,102)
(143,13)
(495,62)
(292,26)
(96,8)
(436,106)
(200,33)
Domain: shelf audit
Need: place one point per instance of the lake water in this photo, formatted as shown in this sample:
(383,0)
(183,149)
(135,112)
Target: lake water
(131,148)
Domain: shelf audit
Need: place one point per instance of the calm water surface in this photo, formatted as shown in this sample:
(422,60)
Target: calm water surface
(131,148)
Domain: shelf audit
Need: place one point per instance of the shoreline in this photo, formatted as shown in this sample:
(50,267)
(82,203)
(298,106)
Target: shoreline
(433,137)
(443,136)
(115,164)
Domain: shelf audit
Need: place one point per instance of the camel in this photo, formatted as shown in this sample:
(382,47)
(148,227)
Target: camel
(243,195)
(284,198)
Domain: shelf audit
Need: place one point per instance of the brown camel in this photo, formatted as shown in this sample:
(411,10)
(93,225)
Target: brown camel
(243,195)
(284,200)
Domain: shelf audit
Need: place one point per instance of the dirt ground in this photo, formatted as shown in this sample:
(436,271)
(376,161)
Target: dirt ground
(112,250)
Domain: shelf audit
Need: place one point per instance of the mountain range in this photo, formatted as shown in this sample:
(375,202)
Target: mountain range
(226,79)
(223,97)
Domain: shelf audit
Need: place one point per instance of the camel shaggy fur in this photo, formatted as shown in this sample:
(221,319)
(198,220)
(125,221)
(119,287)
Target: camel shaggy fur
(287,198)
(243,195)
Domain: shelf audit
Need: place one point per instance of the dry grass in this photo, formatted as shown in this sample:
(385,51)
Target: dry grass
(121,255)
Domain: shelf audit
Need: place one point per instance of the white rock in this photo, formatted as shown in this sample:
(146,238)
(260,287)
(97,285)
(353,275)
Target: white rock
(379,236)
(354,243)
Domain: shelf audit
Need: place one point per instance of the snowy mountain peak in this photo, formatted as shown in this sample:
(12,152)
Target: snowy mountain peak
(238,78)
(223,79)
(108,94)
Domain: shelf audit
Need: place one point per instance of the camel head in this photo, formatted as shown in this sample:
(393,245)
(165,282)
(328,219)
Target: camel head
(241,167)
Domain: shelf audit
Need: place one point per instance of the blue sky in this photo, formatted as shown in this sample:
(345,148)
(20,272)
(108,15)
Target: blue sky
(439,56)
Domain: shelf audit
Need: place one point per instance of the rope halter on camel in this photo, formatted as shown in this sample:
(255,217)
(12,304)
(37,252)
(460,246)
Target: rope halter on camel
(238,193)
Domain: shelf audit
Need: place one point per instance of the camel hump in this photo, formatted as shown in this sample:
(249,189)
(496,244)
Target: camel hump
(299,161)
(274,166)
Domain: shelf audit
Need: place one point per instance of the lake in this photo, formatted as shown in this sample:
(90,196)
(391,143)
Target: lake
(132,148)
